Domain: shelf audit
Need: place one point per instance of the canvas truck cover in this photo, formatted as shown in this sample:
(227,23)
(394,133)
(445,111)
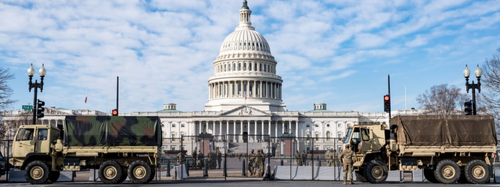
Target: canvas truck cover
(450,130)
(112,131)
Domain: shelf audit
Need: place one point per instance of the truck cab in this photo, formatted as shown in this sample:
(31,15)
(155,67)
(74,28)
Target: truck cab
(32,140)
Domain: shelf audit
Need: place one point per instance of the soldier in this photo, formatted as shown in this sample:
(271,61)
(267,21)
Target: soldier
(297,157)
(193,154)
(263,160)
(327,158)
(219,157)
(180,156)
(200,159)
(210,160)
(347,157)
(304,158)
(332,157)
(258,161)
(214,160)
(251,161)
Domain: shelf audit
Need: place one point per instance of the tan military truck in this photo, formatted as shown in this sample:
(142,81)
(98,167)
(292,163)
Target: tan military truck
(117,146)
(447,148)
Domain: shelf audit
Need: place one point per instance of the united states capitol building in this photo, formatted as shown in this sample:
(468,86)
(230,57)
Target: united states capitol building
(245,97)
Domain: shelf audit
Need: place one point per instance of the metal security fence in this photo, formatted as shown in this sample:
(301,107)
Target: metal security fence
(252,156)
(5,155)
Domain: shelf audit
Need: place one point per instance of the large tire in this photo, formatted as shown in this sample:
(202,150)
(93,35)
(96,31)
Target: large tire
(429,175)
(124,175)
(153,173)
(447,172)
(110,172)
(139,172)
(360,177)
(376,171)
(477,172)
(37,172)
(54,176)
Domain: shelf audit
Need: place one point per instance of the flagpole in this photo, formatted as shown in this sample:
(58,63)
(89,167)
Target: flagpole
(86,94)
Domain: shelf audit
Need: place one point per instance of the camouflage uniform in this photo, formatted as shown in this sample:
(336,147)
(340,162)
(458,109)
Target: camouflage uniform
(251,161)
(180,157)
(219,157)
(258,161)
(200,159)
(210,160)
(304,158)
(347,157)
(263,160)
(297,157)
(193,164)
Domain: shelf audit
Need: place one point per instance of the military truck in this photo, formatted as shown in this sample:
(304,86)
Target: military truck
(448,148)
(117,146)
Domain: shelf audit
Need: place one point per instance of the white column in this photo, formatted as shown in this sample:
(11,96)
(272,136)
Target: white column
(253,88)
(255,127)
(261,127)
(220,128)
(276,130)
(296,128)
(227,127)
(268,128)
(209,90)
(230,89)
(248,88)
(283,127)
(234,128)
(260,90)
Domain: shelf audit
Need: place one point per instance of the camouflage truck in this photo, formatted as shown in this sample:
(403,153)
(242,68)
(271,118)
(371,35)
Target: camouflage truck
(119,147)
(447,148)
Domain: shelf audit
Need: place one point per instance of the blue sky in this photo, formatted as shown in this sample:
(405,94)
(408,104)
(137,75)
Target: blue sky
(334,51)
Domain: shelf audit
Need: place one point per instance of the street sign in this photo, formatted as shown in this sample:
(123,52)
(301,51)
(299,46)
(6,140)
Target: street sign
(27,108)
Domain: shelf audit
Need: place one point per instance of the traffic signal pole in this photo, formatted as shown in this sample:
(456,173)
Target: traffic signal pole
(117,91)
(389,91)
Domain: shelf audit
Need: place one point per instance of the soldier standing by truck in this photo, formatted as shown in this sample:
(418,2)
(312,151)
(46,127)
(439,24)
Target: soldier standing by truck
(347,157)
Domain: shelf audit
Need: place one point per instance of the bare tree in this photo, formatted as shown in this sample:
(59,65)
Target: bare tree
(442,99)
(5,90)
(490,95)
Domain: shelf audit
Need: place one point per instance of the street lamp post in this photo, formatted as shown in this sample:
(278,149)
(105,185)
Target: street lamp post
(36,85)
(473,86)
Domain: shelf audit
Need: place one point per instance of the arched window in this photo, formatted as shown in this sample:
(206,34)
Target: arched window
(328,135)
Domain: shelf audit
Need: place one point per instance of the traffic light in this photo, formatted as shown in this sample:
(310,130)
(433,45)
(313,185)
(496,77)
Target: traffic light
(387,103)
(40,109)
(114,112)
(468,108)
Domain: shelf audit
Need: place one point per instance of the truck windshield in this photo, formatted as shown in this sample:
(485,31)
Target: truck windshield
(346,140)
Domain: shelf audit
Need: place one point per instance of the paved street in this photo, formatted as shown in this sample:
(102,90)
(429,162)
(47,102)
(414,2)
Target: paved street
(235,183)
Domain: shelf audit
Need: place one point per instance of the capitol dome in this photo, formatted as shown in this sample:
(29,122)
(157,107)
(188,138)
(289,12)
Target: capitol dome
(245,71)
(245,39)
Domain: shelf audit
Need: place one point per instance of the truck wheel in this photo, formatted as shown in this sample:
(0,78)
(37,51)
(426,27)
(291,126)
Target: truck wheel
(124,175)
(429,175)
(54,176)
(376,171)
(477,172)
(139,172)
(153,173)
(447,171)
(37,172)
(110,172)
(359,176)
